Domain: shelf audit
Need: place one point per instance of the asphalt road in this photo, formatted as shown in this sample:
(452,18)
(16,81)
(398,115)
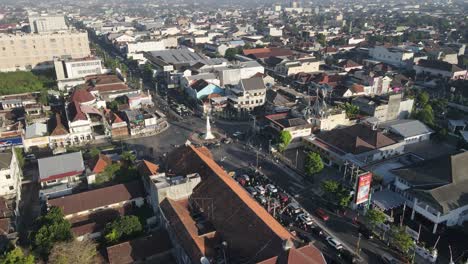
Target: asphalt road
(238,155)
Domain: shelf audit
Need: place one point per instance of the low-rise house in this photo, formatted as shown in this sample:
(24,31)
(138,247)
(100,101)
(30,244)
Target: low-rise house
(17,100)
(296,126)
(59,175)
(118,127)
(291,67)
(86,210)
(410,131)
(440,68)
(143,122)
(201,89)
(436,189)
(360,144)
(36,136)
(347,65)
(155,248)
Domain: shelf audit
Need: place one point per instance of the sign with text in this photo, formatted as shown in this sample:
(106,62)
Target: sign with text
(363,188)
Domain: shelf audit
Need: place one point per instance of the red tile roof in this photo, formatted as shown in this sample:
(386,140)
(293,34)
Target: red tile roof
(85,201)
(186,231)
(262,53)
(147,168)
(100,163)
(253,234)
(59,128)
(81,96)
(141,249)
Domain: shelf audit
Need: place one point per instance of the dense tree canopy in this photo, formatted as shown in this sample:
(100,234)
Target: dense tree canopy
(313,163)
(49,229)
(16,256)
(122,228)
(375,217)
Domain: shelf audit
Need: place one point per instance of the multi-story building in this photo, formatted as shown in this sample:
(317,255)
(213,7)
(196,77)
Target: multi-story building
(10,175)
(394,56)
(37,51)
(71,72)
(47,23)
(290,67)
(249,94)
(395,107)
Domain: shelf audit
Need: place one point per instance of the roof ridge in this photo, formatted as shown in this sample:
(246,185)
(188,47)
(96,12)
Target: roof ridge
(278,229)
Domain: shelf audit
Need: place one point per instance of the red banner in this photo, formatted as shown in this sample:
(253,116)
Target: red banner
(363,188)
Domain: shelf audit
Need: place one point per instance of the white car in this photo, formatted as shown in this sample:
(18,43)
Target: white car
(271,188)
(334,243)
(305,218)
(260,189)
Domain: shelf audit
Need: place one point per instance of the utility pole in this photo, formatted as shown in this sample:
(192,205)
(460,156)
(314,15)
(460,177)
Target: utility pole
(297,153)
(269,146)
(358,251)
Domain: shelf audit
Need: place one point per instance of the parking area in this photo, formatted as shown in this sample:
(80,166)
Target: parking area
(287,211)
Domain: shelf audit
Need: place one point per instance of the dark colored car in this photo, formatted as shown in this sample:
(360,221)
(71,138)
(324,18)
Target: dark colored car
(321,213)
(347,256)
(365,232)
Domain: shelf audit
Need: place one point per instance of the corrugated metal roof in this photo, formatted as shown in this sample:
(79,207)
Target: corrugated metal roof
(62,164)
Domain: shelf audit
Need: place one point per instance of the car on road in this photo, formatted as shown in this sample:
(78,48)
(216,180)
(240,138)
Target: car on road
(317,230)
(305,218)
(321,213)
(238,134)
(284,198)
(30,157)
(241,181)
(366,232)
(294,208)
(261,199)
(334,243)
(347,256)
(245,177)
(251,190)
(271,188)
(260,189)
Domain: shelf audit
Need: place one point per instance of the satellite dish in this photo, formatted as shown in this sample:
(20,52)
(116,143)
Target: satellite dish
(204,260)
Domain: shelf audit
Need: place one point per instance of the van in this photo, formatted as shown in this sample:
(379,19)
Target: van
(294,208)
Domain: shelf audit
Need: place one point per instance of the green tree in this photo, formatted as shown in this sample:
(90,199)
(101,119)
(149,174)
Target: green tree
(351,110)
(94,152)
(313,163)
(375,217)
(108,174)
(74,251)
(231,53)
(50,228)
(284,138)
(16,256)
(20,82)
(148,72)
(422,99)
(330,186)
(19,156)
(401,239)
(128,157)
(321,39)
(426,115)
(122,228)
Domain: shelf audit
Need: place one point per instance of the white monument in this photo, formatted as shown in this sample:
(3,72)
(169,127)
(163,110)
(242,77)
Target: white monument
(208,134)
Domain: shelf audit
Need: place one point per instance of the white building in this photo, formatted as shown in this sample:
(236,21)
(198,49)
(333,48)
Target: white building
(436,188)
(395,56)
(306,65)
(250,93)
(10,175)
(47,23)
(71,72)
(153,45)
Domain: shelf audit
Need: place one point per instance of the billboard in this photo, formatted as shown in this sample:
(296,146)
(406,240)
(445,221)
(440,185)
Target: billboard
(363,188)
(9,142)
